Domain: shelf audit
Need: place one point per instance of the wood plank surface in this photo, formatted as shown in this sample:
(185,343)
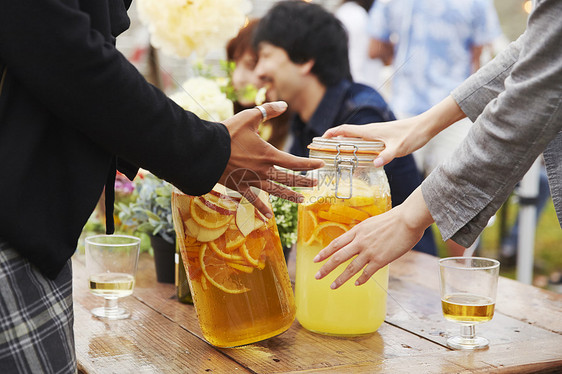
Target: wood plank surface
(163,335)
(147,342)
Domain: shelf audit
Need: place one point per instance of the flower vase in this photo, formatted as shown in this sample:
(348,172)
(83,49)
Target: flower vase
(164,259)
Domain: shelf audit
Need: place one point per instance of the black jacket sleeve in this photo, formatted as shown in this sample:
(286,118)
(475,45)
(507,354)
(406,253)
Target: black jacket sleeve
(62,52)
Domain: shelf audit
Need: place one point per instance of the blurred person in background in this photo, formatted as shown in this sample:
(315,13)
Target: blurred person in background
(302,50)
(434,45)
(246,85)
(354,16)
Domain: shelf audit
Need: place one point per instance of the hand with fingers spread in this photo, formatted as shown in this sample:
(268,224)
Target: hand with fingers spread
(253,161)
(405,136)
(376,241)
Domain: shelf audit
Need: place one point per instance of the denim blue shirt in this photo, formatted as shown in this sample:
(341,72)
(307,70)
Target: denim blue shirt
(433,54)
(354,103)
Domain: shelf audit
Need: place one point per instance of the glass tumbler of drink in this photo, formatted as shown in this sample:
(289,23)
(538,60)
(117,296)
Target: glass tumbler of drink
(468,296)
(111,264)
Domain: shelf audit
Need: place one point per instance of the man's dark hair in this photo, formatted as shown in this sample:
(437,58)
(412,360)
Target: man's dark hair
(365,4)
(307,32)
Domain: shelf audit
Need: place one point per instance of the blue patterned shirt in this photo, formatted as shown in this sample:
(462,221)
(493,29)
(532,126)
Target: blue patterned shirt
(432,41)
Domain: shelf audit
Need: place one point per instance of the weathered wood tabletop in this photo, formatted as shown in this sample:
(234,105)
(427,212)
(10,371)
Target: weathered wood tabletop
(163,335)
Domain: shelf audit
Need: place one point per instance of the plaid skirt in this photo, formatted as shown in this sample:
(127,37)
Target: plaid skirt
(36,317)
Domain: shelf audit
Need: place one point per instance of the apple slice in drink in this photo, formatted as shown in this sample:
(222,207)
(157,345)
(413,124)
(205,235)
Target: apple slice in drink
(206,235)
(245,217)
(226,207)
(191,228)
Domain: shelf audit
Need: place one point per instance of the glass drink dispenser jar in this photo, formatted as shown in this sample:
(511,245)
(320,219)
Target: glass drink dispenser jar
(235,265)
(350,189)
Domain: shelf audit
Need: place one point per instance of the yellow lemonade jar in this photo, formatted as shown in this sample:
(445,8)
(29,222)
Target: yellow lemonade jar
(236,269)
(350,189)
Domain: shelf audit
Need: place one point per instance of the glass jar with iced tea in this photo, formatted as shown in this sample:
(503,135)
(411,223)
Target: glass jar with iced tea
(235,264)
(350,189)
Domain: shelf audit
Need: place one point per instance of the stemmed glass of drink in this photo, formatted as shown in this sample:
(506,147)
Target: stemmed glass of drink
(111,263)
(468,296)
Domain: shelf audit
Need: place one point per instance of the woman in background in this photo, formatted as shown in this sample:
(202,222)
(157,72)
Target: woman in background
(246,84)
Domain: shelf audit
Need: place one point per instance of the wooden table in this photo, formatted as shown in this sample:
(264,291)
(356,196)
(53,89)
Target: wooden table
(163,335)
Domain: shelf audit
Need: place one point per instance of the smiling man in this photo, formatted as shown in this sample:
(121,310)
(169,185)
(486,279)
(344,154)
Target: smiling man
(303,55)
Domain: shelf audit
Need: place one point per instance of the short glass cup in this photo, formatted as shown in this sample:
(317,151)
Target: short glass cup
(468,296)
(111,264)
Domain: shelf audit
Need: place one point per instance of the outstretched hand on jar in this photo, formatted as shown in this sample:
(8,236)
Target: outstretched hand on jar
(405,136)
(253,161)
(376,241)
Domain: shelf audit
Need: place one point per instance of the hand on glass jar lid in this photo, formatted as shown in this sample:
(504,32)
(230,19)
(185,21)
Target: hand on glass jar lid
(253,161)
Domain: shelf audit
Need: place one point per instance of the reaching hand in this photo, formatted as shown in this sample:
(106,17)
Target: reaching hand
(252,160)
(376,241)
(405,136)
(396,136)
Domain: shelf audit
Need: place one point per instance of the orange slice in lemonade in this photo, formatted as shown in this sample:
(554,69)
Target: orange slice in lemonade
(343,214)
(328,231)
(382,205)
(253,248)
(358,201)
(219,273)
(207,217)
(308,224)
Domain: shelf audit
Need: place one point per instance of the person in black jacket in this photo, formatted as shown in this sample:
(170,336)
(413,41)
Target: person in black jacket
(72,111)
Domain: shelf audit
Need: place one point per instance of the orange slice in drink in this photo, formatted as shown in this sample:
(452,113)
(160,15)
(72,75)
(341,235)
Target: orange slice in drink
(192,245)
(357,201)
(381,205)
(253,248)
(219,273)
(309,222)
(207,217)
(233,239)
(328,231)
(219,247)
(343,214)
(244,268)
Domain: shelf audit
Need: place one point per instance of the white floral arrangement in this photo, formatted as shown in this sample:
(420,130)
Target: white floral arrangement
(203,96)
(181,27)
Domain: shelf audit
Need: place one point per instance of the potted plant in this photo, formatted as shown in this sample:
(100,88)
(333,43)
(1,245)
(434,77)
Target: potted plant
(150,212)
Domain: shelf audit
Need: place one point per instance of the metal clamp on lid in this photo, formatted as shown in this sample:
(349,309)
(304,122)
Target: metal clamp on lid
(345,166)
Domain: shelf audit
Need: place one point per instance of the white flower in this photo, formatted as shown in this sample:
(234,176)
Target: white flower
(181,27)
(203,97)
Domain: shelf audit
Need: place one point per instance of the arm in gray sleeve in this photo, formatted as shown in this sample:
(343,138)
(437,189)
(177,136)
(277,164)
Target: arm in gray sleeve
(482,87)
(513,127)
